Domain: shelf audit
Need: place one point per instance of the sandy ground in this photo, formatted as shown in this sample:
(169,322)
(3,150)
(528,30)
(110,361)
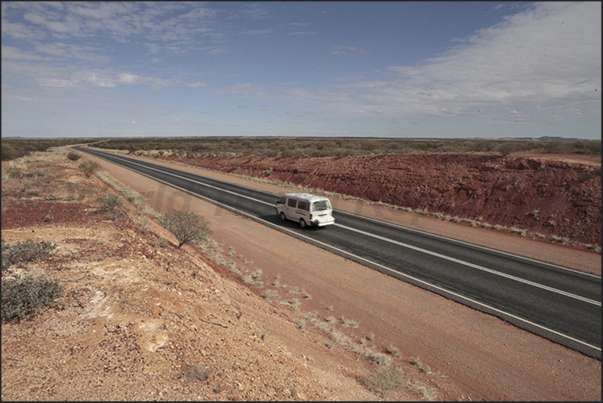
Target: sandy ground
(482,357)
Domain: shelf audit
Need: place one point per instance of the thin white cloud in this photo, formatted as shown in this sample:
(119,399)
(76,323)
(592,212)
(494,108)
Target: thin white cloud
(346,50)
(258,31)
(297,27)
(77,77)
(96,79)
(303,33)
(20,31)
(197,84)
(56,82)
(128,78)
(13,53)
(54,26)
(123,21)
(68,51)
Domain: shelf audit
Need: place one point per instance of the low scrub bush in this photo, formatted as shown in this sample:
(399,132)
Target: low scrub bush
(292,303)
(186,226)
(301,324)
(560,239)
(349,322)
(270,294)
(26,251)
(200,373)
(339,337)
(322,326)
(111,205)
(385,380)
(73,156)
(25,297)
(381,359)
(89,167)
(426,369)
(15,174)
(393,351)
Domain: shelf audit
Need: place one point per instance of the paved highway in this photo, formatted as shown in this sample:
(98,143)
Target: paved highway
(558,303)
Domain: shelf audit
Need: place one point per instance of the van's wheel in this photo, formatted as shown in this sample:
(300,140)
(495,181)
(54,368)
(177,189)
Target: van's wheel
(302,223)
(283,218)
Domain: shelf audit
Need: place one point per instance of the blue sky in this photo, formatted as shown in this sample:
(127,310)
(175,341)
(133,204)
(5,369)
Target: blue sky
(371,69)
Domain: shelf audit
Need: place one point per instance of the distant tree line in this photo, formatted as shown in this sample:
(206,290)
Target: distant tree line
(338,146)
(302,146)
(17,148)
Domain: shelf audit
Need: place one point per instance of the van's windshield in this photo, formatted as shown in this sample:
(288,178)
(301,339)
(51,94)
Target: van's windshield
(321,205)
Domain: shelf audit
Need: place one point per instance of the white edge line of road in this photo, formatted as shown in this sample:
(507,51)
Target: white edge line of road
(327,247)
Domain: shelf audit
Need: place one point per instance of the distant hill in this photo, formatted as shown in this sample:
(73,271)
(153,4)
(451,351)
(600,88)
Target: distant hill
(545,138)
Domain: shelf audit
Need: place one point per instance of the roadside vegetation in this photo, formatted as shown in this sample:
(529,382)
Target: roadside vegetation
(27,251)
(24,297)
(14,148)
(338,146)
(186,226)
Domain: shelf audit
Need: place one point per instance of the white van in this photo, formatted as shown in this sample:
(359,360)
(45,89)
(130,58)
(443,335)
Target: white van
(305,209)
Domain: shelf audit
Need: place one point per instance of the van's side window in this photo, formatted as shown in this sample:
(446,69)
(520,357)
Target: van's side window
(291,202)
(303,205)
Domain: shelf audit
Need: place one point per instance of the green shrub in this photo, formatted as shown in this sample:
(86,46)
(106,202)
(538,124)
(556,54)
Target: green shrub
(26,252)
(339,337)
(89,167)
(426,369)
(379,359)
(393,351)
(349,322)
(269,294)
(25,297)
(15,174)
(110,204)
(73,156)
(506,148)
(385,380)
(186,226)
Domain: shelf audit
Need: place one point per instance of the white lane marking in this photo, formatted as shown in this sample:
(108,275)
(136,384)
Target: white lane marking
(502,252)
(192,180)
(327,247)
(478,267)
(475,266)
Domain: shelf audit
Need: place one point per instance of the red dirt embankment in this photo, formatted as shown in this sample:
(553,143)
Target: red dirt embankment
(546,194)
